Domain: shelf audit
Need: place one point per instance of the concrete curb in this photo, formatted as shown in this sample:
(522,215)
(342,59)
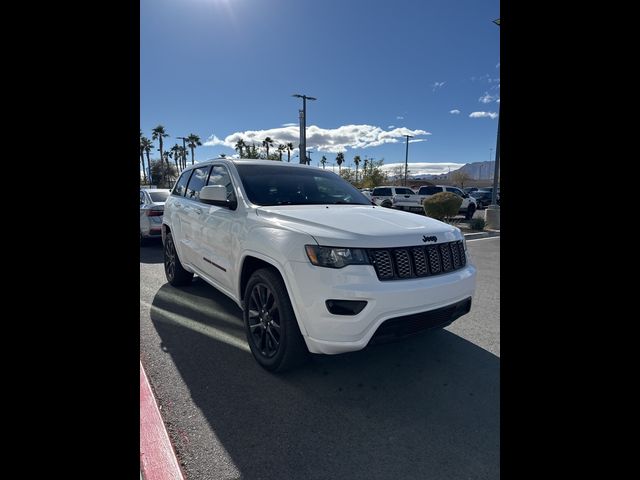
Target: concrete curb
(490,233)
(157,458)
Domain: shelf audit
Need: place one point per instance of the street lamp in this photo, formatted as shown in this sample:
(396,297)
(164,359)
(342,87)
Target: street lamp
(492,213)
(496,169)
(303,126)
(406,159)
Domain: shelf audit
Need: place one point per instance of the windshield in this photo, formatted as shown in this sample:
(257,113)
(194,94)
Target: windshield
(158,196)
(285,185)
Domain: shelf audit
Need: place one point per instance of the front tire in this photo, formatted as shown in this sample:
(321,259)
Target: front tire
(270,323)
(176,274)
(386,204)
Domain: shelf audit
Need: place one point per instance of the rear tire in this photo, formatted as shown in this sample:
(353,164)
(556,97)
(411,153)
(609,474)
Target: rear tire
(173,269)
(270,323)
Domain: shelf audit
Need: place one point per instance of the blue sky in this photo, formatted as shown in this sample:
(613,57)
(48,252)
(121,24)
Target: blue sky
(226,68)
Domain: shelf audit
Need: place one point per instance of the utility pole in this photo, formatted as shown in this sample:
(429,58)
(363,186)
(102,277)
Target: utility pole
(406,159)
(303,126)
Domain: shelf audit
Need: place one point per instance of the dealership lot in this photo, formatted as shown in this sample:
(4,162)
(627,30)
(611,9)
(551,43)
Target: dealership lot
(426,407)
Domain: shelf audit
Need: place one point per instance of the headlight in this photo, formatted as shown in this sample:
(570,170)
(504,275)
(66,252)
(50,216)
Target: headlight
(333,257)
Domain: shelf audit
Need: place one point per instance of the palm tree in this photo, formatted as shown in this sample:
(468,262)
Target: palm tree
(175,154)
(356,160)
(193,141)
(339,160)
(147,146)
(144,172)
(239,146)
(281,149)
(323,160)
(289,149)
(159,133)
(183,157)
(266,143)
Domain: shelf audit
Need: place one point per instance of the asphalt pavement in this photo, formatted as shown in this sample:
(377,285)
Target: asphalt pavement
(425,407)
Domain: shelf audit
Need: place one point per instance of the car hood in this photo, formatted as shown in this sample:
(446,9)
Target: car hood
(359,225)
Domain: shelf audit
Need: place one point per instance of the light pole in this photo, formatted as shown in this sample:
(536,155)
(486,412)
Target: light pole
(492,213)
(496,170)
(406,159)
(303,126)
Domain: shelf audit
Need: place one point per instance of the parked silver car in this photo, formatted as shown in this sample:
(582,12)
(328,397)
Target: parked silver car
(151,211)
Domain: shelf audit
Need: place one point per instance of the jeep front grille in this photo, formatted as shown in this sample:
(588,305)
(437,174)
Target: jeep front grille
(419,261)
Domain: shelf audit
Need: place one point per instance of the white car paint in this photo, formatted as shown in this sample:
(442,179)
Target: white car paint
(278,235)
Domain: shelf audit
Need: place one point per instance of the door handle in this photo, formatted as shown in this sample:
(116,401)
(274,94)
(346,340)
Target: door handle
(178,205)
(198,210)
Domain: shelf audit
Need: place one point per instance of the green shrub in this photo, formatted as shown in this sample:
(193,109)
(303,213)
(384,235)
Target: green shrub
(476,224)
(442,205)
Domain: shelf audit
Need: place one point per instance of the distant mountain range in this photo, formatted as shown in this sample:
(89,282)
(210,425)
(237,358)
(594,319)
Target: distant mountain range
(476,170)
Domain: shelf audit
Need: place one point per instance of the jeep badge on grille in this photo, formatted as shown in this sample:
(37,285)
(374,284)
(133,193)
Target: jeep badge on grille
(429,239)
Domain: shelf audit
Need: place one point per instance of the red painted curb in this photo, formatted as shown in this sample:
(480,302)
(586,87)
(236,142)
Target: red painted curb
(157,458)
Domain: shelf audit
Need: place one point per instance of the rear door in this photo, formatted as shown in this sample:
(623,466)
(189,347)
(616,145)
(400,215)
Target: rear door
(174,214)
(218,233)
(192,213)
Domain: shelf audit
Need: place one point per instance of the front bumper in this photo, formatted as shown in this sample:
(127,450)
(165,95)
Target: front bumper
(331,334)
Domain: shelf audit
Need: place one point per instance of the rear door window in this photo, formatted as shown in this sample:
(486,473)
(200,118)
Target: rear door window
(429,190)
(381,192)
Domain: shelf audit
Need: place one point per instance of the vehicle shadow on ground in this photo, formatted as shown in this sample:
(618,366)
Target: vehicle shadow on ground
(151,251)
(425,407)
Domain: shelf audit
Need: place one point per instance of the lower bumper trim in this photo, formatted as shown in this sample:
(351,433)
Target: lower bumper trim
(418,322)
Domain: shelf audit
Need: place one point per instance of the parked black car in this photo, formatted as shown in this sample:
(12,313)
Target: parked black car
(483,197)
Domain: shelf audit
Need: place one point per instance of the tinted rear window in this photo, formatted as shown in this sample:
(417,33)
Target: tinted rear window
(158,196)
(381,192)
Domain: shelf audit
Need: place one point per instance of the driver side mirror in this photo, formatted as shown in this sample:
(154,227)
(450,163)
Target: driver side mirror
(217,195)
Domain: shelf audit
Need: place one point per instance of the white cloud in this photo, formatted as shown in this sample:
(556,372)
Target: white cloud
(391,126)
(423,168)
(491,115)
(455,111)
(486,98)
(325,140)
(498,101)
(212,141)
(437,85)
(498,65)
(289,124)
(399,117)
(415,140)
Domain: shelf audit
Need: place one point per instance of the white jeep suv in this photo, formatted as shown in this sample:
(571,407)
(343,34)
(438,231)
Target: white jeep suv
(314,266)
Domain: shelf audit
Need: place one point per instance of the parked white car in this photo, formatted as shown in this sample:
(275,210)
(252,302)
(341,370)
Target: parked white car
(313,264)
(468,206)
(402,198)
(151,211)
